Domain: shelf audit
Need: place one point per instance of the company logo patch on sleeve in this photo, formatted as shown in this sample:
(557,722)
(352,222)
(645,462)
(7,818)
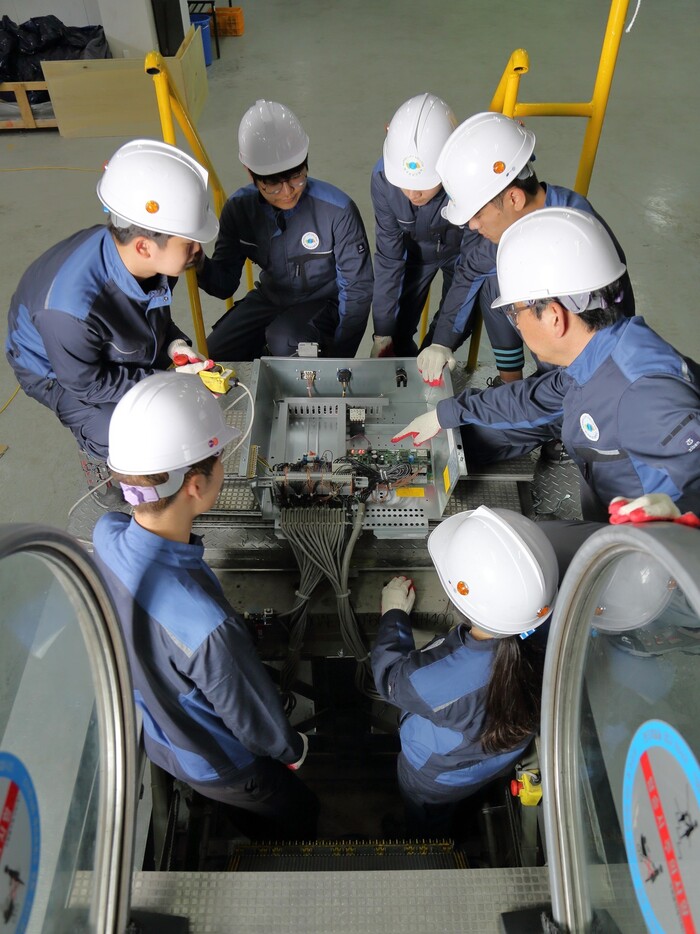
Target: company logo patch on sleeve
(361,248)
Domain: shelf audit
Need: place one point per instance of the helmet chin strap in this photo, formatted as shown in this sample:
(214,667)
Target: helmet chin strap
(136,495)
(119,221)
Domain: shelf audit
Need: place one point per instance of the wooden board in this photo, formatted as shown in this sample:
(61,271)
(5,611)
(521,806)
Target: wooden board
(115,97)
(25,119)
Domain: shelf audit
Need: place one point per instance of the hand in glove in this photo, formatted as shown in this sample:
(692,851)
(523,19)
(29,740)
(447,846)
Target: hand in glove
(398,594)
(186,358)
(294,766)
(653,507)
(422,428)
(382,347)
(431,362)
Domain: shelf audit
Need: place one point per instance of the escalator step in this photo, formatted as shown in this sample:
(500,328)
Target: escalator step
(342,855)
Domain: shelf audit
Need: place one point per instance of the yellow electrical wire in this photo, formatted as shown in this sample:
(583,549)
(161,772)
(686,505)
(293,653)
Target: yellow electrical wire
(9,400)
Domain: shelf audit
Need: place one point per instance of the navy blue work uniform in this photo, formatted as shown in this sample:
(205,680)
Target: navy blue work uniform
(412,243)
(627,410)
(475,280)
(441,690)
(82,331)
(211,714)
(315,275)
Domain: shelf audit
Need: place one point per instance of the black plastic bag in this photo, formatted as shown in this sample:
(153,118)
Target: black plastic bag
(44,38)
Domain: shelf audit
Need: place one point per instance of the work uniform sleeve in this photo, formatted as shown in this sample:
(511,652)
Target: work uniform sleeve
(399,667)
(74,349)
(527,403)
(659,425)
(476,262)
(389,262)
(354,277)
(234,680)
(394,658)
(221,275)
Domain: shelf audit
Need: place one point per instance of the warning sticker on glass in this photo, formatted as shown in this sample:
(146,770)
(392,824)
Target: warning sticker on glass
(661,809)
(19,844)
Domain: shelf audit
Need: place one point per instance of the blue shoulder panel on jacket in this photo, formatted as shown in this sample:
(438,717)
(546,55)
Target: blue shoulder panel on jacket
(80,279)
(451,677)
(641,352)
(324,191)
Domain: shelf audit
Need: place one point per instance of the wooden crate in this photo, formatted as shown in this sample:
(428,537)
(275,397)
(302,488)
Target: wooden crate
(115,97)
(25,119)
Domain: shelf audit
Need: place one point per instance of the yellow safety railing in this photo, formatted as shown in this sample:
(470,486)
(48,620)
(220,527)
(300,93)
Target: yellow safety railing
(505,101)
(171,106)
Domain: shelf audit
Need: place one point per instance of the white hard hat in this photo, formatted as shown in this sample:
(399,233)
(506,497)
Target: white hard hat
(166,422)
(632,592)
(417,132)
(271,139)
(480,160)
(497,567)
(555,252)
(158,187)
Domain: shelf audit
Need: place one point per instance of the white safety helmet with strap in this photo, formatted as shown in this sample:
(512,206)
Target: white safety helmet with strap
(479,160)
(632,591)
(417,132)
(156,186)
(497,567)
(271,139)
(165,424)
(556,253)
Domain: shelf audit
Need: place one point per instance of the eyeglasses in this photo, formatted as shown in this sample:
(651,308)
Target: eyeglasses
(511,313)
(275,187)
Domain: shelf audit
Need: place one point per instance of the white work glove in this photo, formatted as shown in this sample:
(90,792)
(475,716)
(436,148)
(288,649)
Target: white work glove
(431,362)
(398,594)
(382,347)
(186,358)
(654,507)
(422,428)
(294,766)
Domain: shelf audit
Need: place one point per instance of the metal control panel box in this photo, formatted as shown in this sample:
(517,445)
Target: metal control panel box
(322,434)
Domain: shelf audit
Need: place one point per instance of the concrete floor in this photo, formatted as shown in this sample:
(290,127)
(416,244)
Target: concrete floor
(344,68)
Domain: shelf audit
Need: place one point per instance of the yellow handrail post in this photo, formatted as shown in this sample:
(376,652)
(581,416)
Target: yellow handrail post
(504,100)
(601,93)
(170,105)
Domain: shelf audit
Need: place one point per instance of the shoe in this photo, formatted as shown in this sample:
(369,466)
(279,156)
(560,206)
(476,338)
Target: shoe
(494,381)
(555,452)
(99,481)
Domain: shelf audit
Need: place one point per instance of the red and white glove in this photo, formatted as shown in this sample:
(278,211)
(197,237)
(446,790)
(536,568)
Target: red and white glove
(382,347)
(654,507)
(432,361)
(294,766)
(398,594)
(422,428)
(186,358)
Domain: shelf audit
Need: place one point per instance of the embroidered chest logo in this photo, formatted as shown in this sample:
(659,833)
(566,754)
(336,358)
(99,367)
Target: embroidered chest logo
(310,240)
(589,427)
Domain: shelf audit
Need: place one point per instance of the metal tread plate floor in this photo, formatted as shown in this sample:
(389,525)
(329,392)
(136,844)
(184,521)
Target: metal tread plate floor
(450,901)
